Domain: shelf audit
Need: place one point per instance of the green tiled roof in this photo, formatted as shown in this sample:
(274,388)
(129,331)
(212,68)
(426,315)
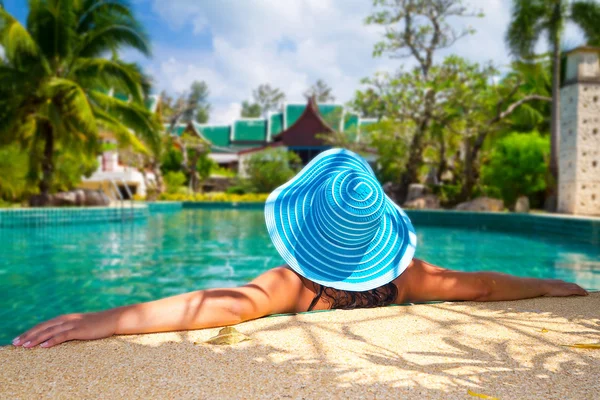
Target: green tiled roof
(218,135)
(250,129)
(276,123)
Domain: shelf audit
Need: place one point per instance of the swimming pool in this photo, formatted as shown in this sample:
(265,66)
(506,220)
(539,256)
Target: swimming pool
(49,271)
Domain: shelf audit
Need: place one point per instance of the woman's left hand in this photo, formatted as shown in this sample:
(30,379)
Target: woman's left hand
(86,326)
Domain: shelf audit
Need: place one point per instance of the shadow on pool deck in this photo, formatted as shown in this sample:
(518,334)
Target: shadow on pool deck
(423,351)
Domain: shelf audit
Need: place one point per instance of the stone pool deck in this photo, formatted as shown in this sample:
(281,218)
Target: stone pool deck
(506,350)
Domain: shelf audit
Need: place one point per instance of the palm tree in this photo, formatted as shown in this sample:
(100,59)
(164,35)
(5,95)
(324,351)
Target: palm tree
(531,20)
(54,78)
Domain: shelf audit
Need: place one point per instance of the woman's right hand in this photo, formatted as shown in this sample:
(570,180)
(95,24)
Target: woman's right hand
(67,327)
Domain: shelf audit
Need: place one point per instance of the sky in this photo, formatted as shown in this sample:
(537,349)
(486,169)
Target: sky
(236,45)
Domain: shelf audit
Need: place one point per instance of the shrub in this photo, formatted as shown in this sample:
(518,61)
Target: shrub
(448,194)
(270,169)
(517,166)
(171,161)
(222,171)
(174,180)
(215,197)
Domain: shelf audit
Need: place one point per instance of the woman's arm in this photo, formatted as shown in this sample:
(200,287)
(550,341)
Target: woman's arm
(276,291)
(425,282)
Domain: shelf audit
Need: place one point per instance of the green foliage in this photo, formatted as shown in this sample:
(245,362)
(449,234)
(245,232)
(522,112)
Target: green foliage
(391,140)
(70,168)
(517,166)
(171,160)
(270,169)
(222,171)
(13,173)
(237,189)
(448,194)
(204,166)
(174,181)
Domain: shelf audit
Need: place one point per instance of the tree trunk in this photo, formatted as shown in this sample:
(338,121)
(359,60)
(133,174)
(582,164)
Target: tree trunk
(193,173)
(160,183)
(47,159)
(411,174)
(443,165)
(471,170)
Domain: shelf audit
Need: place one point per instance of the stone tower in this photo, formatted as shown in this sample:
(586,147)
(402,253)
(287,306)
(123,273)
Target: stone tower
(579,142)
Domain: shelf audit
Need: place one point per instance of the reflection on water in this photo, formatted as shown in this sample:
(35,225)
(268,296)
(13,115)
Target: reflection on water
(60,269)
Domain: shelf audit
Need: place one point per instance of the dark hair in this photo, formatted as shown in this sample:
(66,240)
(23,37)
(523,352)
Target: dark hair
(346,300)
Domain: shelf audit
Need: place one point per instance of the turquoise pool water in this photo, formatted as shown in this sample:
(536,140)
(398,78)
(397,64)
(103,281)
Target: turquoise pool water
(46,272)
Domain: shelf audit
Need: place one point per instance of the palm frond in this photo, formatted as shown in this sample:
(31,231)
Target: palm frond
(92,10)
(586,14)
(113,37)
(525,28)
(51,24)
(15,39)
(72,103)
(111,74)
(135,116)
(122,133)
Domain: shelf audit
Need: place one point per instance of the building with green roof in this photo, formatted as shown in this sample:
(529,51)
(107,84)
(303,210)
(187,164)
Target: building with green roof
(297,127)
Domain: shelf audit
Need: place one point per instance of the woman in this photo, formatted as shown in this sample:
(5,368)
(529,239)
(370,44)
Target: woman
(346,245)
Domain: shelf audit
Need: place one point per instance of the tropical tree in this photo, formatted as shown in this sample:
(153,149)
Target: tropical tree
(268,98)
(55,76)
(533,20)
(264,99)
(197,105)
(470,108)
(321,91)
(417,29)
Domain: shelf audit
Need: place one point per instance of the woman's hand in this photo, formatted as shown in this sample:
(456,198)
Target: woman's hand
(558,288)
(69,327)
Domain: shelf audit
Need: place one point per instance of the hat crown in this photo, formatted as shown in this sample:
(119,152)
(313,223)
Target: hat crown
(349,207)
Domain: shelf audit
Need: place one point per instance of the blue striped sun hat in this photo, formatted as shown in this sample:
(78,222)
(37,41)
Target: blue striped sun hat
(333,224)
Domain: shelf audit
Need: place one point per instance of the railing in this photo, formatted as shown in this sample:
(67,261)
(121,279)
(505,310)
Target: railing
(116,196)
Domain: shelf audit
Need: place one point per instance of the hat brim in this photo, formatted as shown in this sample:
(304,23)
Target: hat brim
(292,227)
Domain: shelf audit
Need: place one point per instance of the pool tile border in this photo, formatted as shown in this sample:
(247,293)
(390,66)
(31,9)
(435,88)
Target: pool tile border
(581,229)
(164,206)
(38,217)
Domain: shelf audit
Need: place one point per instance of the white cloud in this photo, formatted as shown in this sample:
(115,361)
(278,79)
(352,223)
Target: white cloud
(225,113)
(325,39)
